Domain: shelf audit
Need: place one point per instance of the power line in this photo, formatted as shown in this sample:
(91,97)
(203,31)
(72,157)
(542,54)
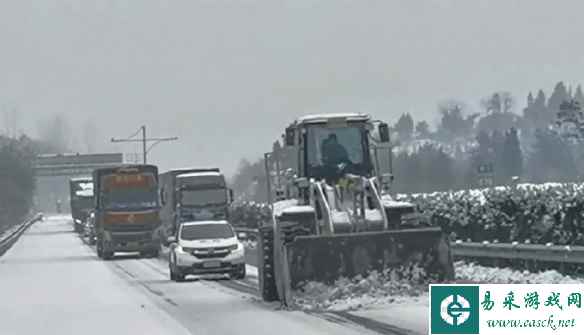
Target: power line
(144,141)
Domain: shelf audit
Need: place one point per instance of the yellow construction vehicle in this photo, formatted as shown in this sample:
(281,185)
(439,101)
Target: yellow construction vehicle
(334,216)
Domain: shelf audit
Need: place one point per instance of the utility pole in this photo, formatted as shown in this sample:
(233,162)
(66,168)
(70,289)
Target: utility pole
(144,141)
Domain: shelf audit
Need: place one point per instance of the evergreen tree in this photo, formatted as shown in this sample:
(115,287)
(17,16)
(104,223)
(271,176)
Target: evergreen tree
(422,130)
(16,178)
(559,95)
(453,123)
(528,113)
(535,114)
(498,147)
(579,96)
(405,127)
(540,111)
(425,170)
(499,116)
(551,159)
(512,155)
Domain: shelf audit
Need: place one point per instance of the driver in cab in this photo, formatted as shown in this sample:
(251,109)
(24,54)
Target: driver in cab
(333,153)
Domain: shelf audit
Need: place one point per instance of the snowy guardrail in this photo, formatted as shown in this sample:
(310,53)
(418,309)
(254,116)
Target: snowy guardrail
(546,253)
(563,254)
(248,231)
(7,239)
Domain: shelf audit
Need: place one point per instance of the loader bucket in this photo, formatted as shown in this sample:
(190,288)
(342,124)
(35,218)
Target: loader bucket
(327,258)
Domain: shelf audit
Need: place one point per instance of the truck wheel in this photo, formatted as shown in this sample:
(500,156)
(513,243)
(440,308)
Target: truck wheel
(172,275)
(108,255)
(180,277)
(99,248)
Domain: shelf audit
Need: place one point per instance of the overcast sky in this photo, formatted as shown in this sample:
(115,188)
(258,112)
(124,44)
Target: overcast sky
(228,76)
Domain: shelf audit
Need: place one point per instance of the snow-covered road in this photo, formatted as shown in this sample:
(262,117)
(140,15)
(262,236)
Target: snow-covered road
(52,283)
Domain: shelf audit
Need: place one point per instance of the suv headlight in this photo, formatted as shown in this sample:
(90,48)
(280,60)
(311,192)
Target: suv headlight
(236,247)
(188,250)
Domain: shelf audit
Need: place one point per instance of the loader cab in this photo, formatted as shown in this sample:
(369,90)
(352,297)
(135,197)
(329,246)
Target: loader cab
(330,146)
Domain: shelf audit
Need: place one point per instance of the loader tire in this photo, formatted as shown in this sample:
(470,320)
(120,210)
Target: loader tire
(266,275)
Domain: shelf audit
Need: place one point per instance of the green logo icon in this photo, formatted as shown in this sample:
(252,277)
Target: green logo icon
(454,309)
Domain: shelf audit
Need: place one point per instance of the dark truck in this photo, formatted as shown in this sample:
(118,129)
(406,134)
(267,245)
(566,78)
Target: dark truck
(80,200)
(192,195)
(127,210)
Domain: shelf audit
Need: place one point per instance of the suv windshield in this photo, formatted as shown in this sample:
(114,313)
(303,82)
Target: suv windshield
(206,232)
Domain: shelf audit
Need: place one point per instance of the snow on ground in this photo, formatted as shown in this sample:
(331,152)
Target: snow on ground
(400,303)
(350,294)
(411,316)
(383,290)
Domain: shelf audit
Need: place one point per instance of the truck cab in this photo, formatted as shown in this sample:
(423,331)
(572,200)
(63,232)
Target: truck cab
(127,210)
(80,200)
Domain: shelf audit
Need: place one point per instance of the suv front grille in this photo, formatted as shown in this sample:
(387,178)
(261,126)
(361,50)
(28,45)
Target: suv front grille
(211,252)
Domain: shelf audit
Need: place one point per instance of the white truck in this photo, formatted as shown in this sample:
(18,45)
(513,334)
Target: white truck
(192,195)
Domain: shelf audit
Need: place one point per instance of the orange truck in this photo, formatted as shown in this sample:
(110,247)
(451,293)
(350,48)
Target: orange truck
(127,210)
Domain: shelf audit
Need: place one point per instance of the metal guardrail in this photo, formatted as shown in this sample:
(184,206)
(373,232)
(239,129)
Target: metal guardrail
(516,251)
(7,241)
(248,231)
(562,254)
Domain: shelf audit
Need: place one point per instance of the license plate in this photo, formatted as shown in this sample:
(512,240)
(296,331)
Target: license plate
(211,264)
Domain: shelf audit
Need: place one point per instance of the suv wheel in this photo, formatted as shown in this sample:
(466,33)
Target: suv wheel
(172,275)
(240,272)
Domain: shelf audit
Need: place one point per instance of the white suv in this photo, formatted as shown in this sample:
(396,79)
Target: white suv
(205,247)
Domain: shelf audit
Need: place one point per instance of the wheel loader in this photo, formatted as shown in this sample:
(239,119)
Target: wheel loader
(333,216)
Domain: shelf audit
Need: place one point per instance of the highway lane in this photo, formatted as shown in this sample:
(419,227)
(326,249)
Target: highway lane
(52,283)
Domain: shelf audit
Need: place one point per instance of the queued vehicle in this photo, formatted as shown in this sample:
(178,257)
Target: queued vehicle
(89,229)
(206,247)
(80,200)
(192,194)
(127,210)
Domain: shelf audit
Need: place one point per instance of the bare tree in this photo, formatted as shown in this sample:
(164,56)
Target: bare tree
(56,133)
(90,134)
(12,121)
